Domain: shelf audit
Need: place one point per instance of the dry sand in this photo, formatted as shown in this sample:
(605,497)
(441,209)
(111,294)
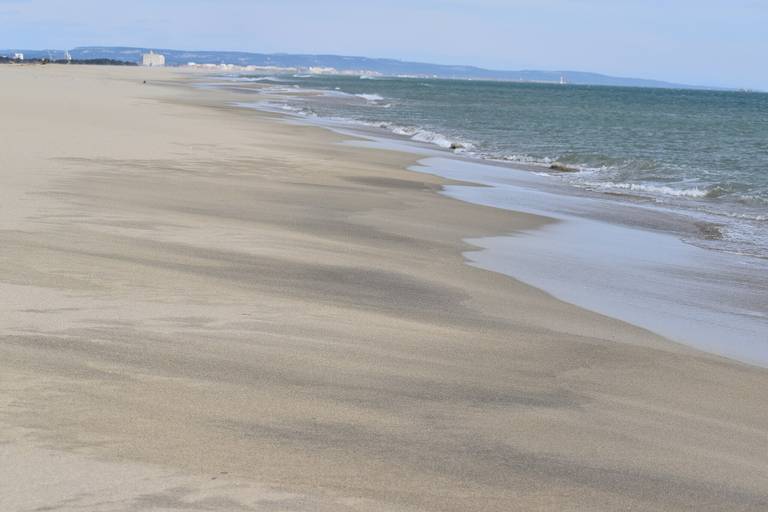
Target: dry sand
(205,308)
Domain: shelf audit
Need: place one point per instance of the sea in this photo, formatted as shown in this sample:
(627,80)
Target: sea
(685,170)
(706,151)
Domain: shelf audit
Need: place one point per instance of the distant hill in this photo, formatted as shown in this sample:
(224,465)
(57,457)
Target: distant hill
(390,67)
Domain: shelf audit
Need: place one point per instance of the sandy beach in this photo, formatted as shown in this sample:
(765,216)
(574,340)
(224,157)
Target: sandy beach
(204,307)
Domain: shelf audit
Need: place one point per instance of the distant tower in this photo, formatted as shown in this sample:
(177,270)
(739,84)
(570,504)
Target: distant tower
(153,60)
(67,56)
(563,80)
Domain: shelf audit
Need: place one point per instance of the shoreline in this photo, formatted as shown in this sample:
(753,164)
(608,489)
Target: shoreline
(193,292)
(732,227)
(679,223)
(692,279)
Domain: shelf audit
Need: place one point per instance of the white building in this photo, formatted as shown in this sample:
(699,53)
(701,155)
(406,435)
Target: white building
(18,56)
(153,59)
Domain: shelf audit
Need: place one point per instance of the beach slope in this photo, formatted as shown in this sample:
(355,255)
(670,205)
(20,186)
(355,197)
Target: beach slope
(206,308)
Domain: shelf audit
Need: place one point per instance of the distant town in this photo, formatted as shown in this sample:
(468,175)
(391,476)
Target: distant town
(280,63)
(153,59)
(20,58)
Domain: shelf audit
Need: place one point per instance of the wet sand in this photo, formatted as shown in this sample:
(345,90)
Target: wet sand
(205,308)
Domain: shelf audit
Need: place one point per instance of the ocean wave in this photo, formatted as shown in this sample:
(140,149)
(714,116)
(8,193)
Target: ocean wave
(595,172)
(435,138)
(429,136)
(335,93)
(522,159)
(271,106)
(371,98)
(297,110)
(410,132)
(753,198)
(651,189)
(280,89)
(259,79)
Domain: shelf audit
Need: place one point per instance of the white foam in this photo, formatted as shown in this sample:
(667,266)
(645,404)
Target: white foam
(280,89)
(648,189)
(421,135)
(432,138)
(521,159)
(336,93)
(259,79)
(372,98)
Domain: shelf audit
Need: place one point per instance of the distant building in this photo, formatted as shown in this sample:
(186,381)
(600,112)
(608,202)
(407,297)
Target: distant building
(18,56)
(153,60)
(319,70)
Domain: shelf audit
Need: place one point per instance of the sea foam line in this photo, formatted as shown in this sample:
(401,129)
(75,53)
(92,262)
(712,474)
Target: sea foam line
(663,190)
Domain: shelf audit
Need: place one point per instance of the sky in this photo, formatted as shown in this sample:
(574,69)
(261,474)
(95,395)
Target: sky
(706,42)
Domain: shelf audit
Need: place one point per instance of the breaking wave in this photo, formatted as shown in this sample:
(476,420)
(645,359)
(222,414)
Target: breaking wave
(644,188)
(260,79)
(371,98)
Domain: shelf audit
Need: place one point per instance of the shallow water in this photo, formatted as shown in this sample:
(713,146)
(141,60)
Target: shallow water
(702,298)
(624,259)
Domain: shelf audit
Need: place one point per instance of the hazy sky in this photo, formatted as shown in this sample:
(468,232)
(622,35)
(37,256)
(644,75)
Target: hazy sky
(713,42)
